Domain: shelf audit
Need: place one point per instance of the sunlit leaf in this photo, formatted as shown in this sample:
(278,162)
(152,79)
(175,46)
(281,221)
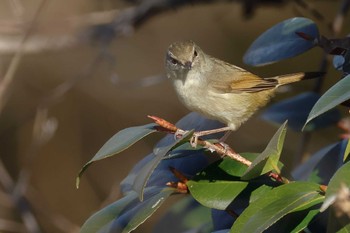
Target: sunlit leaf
(347,150)
(296,111)
(276,204)
(216,194)
(334,96)
(269,158)
(119,142)
(233,167)
(127,213)
(345,229)
(282,41)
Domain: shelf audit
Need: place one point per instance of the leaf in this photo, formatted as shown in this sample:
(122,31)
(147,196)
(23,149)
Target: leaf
(184,216)
(127,213)
(146,171)
(277,203)
(342,62)
(334,96)
(233,167)
(119,142)
(322,165)
(345,229)
(183,158)
(305,222)
(216,194)
(296,111)
(190,163)
(347,151)
(269,158)
(282,41)
(340,177)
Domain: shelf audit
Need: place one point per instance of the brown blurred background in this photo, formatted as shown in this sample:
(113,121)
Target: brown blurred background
(90,90)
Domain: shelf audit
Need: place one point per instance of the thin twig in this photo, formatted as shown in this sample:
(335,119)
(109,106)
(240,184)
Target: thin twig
(219,148)
(10,73)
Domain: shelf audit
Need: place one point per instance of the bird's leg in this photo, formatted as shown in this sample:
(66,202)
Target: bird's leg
(196,135)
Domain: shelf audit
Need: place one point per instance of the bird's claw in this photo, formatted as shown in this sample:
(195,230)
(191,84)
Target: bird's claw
(225,147)
(179,133)
(194,140)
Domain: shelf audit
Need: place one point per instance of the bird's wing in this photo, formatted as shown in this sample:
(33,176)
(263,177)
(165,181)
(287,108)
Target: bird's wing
(231,79)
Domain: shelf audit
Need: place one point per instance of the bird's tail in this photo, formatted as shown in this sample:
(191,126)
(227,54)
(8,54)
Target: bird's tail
(295,77)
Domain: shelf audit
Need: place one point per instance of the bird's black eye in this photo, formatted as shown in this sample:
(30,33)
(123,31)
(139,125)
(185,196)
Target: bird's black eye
(195,53)
(174,61)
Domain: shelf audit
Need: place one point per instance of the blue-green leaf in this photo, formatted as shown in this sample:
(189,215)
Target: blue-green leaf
(334,96)
(119,142)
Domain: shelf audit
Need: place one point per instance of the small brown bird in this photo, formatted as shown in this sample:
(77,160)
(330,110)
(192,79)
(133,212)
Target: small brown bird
(219,90)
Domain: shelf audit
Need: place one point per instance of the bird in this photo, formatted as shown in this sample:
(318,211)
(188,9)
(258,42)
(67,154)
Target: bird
(219,90)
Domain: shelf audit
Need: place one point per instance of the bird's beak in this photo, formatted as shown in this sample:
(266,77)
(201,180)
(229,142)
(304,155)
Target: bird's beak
(188,65)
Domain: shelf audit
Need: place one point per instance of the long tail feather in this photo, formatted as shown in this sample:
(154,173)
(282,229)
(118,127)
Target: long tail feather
(291,78)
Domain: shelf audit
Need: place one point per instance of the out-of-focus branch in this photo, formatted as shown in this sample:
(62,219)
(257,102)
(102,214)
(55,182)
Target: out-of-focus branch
(101,27)
(10,73)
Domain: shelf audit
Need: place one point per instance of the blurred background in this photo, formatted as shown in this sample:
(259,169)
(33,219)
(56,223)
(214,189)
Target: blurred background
(73,73)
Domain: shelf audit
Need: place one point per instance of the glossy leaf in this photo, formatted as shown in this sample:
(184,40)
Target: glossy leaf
(183,158)
(276,204)
(322,165)
(119,142)
(127,213)
(306,221)
(190,163)
(147,170)
(342,62)
(269,158)
(216,194)
(334,96)
(235,168)
(282,41)
(340,177)
(184,216)
(296,111)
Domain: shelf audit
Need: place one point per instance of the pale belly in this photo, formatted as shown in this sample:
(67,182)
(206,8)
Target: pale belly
(229,108)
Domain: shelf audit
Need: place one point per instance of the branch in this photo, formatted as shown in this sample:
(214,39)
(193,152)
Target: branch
(219,148)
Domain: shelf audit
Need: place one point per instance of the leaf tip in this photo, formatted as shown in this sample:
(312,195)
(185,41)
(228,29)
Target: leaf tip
(77,182)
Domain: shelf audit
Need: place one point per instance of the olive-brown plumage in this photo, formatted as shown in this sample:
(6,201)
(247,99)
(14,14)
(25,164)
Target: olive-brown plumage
(217,89)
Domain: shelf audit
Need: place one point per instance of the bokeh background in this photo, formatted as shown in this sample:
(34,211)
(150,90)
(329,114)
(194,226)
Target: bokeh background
(70,81)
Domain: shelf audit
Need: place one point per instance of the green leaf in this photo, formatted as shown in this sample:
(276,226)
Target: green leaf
(347,151)
(268,160)
(235,168)
(275,204)
(345,229)
(127,213)
(119,142)
(216,194)
(334,96)
(305,222)
(146,172)
(340,177)
(184,216)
